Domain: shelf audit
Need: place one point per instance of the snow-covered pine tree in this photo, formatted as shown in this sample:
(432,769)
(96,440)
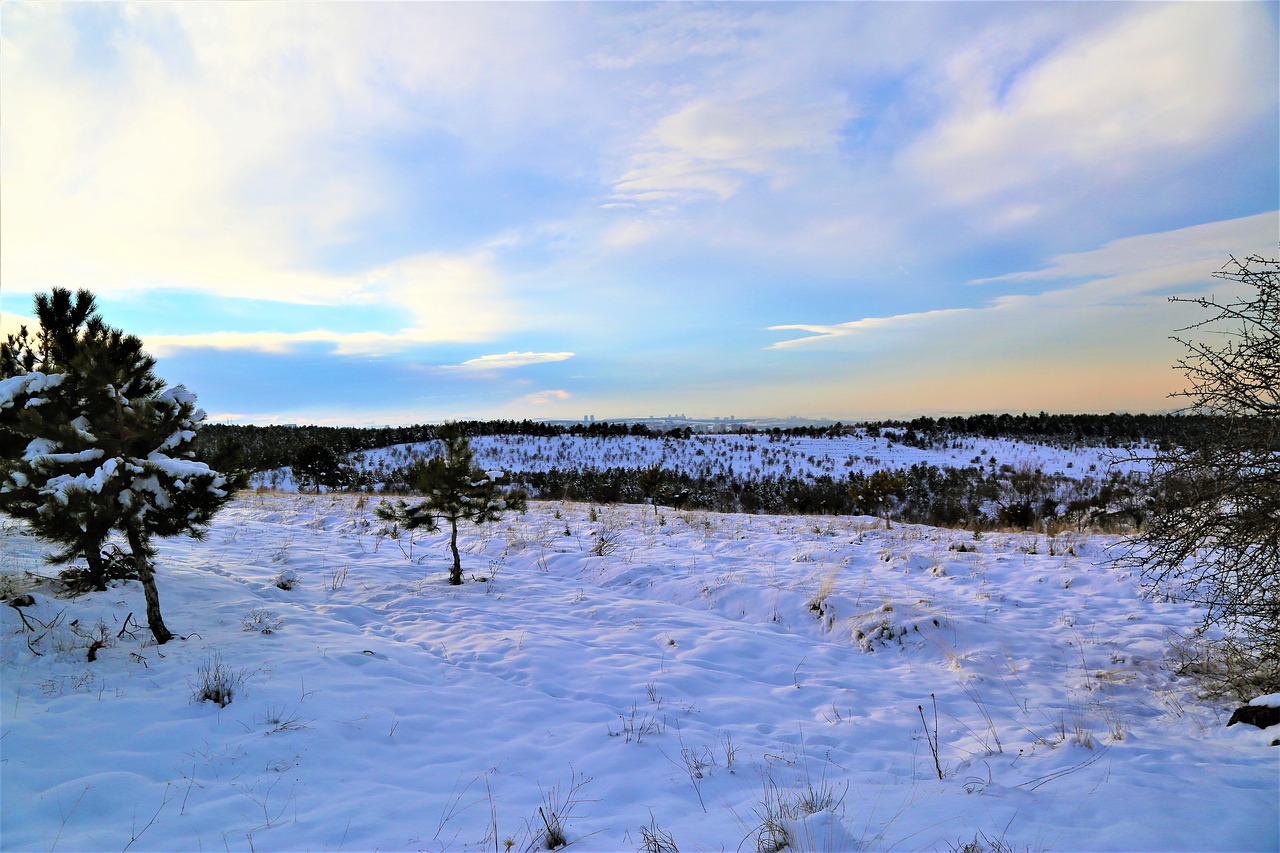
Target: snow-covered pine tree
(455,489)
(40,419)
(107,444)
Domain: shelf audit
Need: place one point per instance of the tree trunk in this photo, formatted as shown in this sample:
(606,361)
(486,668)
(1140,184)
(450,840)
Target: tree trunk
(154,620)
(97,568)
(455,574)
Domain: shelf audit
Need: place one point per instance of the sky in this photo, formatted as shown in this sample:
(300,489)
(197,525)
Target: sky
(393,213)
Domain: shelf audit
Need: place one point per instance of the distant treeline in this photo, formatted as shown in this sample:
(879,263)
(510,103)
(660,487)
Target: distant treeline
(970,497)
(1113,430)
(259,448)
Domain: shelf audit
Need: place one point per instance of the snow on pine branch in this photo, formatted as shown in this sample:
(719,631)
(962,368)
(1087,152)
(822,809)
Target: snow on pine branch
(28,383)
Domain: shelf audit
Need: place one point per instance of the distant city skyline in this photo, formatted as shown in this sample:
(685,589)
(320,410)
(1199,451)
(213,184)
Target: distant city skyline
(368,213)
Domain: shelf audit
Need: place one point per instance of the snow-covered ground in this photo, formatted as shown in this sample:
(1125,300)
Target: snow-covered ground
(714,681)
(800,456)
(743,456)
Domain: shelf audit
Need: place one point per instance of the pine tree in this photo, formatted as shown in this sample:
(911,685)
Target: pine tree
(455,489)
(105,446)
(316,465)
(653,481)
(39,414)
(877,494)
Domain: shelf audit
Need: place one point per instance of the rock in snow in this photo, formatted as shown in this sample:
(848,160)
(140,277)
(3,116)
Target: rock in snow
(1263,712)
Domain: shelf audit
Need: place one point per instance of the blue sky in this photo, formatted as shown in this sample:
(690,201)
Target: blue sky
(367,213)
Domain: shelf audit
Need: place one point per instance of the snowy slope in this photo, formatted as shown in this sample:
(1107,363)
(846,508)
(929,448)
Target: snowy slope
(801,456)
(743,455)
(690,673)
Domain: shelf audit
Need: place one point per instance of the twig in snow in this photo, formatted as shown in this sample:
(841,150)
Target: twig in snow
(136,833)
(932,736)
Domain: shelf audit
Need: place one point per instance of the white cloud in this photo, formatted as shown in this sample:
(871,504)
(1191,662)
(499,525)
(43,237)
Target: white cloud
(223,156)
(342,343)
(544,398)
(713,147)
(1207,245)
(826,333)
(11,324)
(668,34)
(149,176)
(443,299)
(1162,80)
(514,359)
(448,298)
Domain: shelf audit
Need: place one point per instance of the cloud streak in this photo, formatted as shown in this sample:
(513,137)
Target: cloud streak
(339,343)
(828,333)
(1201,245)
(507,361)
(1118,313)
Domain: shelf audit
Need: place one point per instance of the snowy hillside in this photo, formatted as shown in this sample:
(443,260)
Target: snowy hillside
(705,455)
(741,456)
(636,679)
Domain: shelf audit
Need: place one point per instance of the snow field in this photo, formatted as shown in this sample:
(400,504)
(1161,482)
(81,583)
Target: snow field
(724,679)
(743,455)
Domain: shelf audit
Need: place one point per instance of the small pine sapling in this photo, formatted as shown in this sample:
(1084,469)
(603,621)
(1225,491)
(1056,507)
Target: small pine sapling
(454,489)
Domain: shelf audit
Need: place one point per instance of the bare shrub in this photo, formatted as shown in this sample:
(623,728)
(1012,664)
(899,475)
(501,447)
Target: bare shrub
(262,621)
(283,720)
(559,802)
(606,539)
(1214,535)
(654,839)
(636,726)
(216,682)
(772,810)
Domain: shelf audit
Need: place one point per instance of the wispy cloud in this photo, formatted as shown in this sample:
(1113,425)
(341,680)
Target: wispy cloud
(1163,78)
(1204,245)
(446,299)
(339,343)
(1123,277)
(544,398)
(208,162)
(827,333)
(712,148)
(509,360)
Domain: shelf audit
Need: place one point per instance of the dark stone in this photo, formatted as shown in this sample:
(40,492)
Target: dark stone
(24,600)
(1261,716)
